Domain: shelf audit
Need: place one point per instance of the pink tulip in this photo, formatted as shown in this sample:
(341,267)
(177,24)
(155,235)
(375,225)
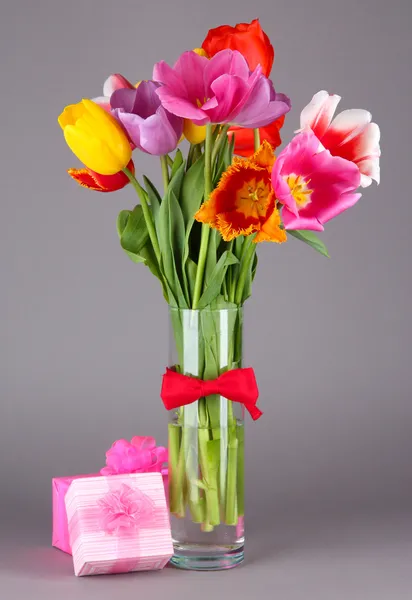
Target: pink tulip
(113,82)
(219,90)
(350,135)
(313,185)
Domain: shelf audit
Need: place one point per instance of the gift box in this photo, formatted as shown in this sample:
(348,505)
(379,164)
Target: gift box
(140,454)
(118,524)
(60,534)
(60,486)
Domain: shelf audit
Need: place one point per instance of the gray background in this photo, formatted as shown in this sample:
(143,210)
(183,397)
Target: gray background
(84,330)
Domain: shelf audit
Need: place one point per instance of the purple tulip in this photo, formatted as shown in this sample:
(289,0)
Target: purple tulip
(219,90)
(150,126)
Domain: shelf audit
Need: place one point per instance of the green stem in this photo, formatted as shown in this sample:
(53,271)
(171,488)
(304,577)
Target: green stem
(244,268)
(240,470)
(256,138)
(165,172)
(169,161)
(205,228)
(219,142)
(231,512)
(176,501)
(147,213)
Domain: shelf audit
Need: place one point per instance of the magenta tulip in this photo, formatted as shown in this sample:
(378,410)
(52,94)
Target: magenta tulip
(219,90)
(313,185)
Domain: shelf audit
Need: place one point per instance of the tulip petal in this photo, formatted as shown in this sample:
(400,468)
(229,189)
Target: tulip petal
(85,178)
(345,126)
(259,110)
(115,82)
(157,136)
(131,123)
(292,221)
(196,65)
(104,102)
(101,183)
(244,137)
(326,183)
(93,152)
(225,62)
(182,107)
(229,92)
(318,114)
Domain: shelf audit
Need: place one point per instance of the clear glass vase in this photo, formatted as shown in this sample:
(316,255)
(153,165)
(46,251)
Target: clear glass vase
(206,444)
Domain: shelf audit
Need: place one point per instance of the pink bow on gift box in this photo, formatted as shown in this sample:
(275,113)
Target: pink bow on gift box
(140,455)
(124,510)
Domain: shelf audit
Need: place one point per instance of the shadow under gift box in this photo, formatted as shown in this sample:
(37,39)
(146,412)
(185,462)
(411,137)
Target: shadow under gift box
(60,487)
(118,524)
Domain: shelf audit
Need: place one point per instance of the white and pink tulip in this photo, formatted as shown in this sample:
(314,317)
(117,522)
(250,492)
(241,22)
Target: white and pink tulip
(350,135)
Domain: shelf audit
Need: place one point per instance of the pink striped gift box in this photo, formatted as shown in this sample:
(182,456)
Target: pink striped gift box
(118,524)
(60,485)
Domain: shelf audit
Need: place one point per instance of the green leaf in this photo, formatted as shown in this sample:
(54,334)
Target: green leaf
(134,234)
(214,285)
(134,239)
(211,258)
(221,162)
(178,161)
(171,235)
(311,239)
(247,292)
(121,223)
(191,197)
(176,181)
(191,194)
(219,303)
(153,195)
(191,270)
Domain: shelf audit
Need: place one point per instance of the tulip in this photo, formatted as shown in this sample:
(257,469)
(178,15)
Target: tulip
(101,183)
(248,38)
(313,185)
(195,134)
(219,90)
(244,138)
(95,137)
(150,126)
(244,202)
(350,135)
(113,82)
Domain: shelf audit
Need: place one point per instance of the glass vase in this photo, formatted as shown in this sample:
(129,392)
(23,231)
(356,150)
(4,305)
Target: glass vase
(206,444)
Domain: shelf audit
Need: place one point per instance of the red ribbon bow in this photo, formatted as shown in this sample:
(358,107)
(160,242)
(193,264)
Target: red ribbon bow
(238,385)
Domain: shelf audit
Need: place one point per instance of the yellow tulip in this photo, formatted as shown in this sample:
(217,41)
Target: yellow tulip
(195,134)
(95,137)
(200,52)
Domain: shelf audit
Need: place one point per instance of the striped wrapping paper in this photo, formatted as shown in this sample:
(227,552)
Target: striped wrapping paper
(97,551)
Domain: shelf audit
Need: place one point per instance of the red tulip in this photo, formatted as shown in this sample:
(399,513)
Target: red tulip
(248,38)
(244,140)
(101,183)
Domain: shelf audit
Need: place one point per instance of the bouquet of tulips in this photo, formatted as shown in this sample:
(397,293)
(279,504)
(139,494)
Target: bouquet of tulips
(224,192)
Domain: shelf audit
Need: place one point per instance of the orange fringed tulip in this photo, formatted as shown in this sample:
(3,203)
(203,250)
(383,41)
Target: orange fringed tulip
(244,139)
(101,183)
(244,201)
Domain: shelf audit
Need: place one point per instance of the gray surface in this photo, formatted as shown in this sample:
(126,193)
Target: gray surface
(347,560)
(84,331)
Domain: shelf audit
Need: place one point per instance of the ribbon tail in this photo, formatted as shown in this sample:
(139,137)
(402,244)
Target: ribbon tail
(254,412)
